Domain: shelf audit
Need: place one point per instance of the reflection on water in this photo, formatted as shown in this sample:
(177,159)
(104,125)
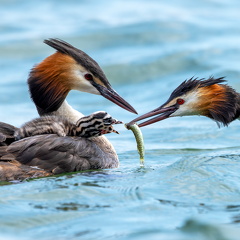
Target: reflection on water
(190,186)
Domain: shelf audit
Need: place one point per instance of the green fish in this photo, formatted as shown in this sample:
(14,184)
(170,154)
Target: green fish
(139,139)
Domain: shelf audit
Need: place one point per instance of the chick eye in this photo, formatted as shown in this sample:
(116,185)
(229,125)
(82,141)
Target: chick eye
(180,101)
(88,76)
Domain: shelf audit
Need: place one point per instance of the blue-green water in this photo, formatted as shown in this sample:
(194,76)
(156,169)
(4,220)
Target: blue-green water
(190,186)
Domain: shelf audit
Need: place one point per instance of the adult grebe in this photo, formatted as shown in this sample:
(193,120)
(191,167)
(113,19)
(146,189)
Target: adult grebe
(206,97)
(49,83)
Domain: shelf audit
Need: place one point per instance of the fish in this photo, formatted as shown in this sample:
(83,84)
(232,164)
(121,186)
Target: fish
(139,140)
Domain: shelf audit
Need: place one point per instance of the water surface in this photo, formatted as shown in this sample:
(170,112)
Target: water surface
(190,185)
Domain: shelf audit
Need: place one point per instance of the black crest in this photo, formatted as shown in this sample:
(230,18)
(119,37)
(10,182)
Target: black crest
(192,83)
(79,56)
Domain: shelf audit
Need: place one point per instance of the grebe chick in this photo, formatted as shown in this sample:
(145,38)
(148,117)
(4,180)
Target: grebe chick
(94,125)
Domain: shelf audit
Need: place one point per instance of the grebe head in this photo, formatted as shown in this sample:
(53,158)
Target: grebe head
(206,97)
(68,69)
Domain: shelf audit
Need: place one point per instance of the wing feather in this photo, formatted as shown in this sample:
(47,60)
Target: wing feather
(64,154)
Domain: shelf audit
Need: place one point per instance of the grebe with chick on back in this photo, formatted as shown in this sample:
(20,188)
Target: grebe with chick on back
(49,83)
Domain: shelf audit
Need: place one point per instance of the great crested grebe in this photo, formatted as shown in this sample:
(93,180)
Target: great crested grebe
(206,97)
(49,83)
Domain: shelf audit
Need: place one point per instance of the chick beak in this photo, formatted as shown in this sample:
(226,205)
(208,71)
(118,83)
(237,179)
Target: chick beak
(164,113)
(114,97)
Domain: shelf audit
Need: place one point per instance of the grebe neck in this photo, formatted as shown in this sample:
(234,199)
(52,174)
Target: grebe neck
(68,112)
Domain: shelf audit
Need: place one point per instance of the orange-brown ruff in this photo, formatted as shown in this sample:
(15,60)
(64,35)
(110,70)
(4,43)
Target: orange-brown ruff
(211,98)
(218,102)
(53,78)
(49,83)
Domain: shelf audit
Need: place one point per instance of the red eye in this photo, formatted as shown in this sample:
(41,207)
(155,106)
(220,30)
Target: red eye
(180,101)
(88,76)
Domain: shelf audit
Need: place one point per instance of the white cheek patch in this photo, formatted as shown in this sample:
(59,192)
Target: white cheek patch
(182,111)
(189,107)
(81,84)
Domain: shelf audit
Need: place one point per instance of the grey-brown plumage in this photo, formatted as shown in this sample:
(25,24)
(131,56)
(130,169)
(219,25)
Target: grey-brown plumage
(6,134)
(56,145)
(64,154)
(94,125)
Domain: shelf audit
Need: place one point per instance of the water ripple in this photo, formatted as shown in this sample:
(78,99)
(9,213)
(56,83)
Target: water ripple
(190,186)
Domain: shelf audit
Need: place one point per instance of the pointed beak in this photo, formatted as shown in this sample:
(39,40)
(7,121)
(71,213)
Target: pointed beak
(114,97)
(162,112)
